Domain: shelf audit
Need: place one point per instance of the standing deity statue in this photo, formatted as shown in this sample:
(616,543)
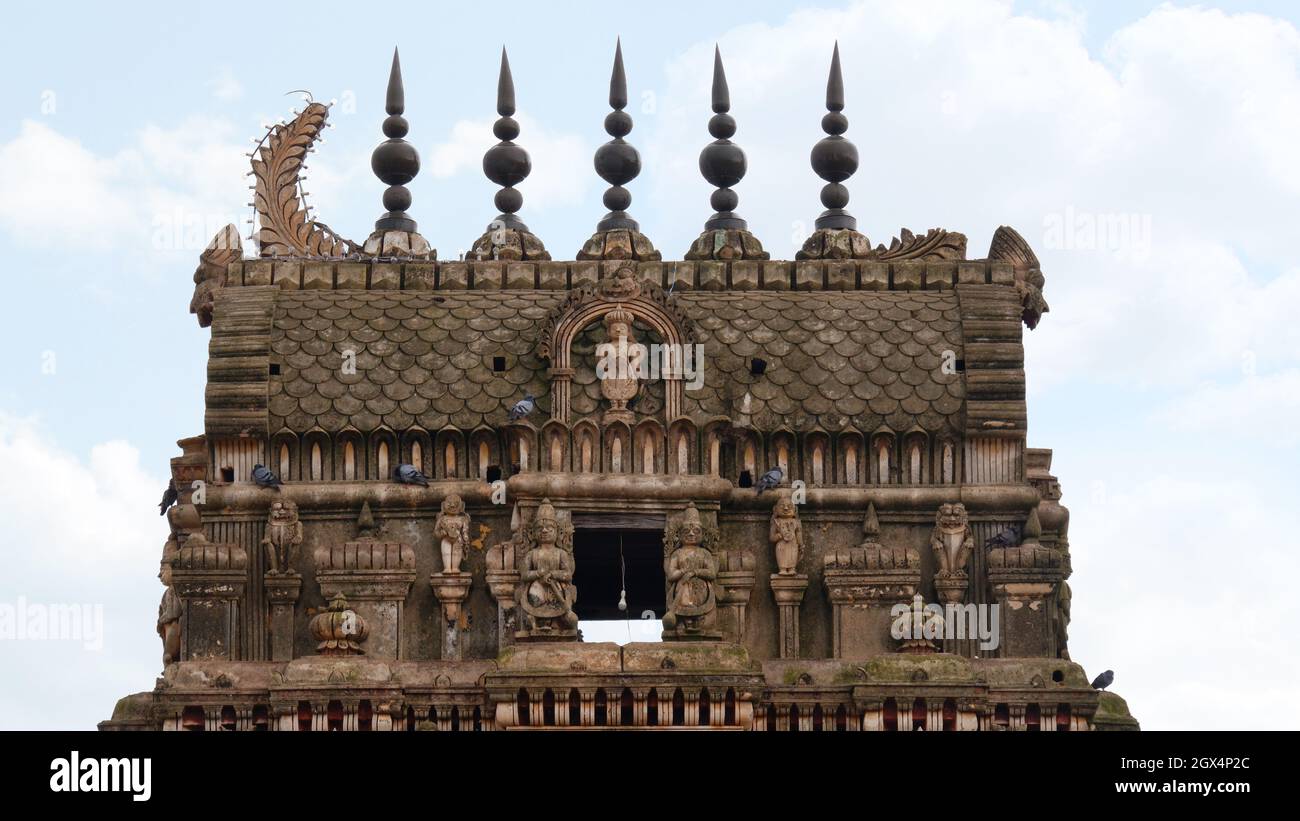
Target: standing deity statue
(546,591)
(619,364)
(786,535)
(451,528)
(691,570)
(951,540)
(283,534)
(169,609)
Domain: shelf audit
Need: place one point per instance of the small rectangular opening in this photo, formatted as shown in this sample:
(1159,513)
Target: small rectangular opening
(614,564)
(228,475)
(498,363)
(275,369)
(757,366)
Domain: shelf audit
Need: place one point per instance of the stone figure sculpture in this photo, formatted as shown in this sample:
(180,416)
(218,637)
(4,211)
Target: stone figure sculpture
(547,594)
(691,571)
(451,528)
(786,535)
(169,609)
(283,534)
(952,543)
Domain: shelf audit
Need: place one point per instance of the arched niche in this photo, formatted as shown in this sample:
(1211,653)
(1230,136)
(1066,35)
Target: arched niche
(622,290)
(316,463)
(555,447)
(850,461)
(586,448)
(417,450)
(649,448)
(882,459)
(819,467)
(449,453)
(683,451)
(383,454)
(284,455)
(349,455)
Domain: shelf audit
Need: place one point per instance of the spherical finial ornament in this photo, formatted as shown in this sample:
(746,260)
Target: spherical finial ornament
(395,161)
(617,162)
(722,163)
(507,165)
(834,158)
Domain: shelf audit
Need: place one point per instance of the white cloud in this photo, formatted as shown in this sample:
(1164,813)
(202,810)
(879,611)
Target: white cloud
(171,189)
(556,157)
(226,87)
(77,532)
(1266,407)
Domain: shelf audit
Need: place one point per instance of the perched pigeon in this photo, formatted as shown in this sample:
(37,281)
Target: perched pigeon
(1104,680)
(523,408)
(168,499)
(410,475)
(769,480)
(264,477)
(1007,538)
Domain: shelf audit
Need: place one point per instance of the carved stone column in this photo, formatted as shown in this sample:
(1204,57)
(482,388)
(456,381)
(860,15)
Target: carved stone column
(282,591)
(735,585)
(451,587)
(375,577)
(1024,581)
(863,584)
(210,580)
(502,579)
(788,592)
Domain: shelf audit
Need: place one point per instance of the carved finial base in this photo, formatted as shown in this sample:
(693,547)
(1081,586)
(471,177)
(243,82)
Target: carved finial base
(509,244)
(400,244)
(726,244)
(835,243)
(619,243)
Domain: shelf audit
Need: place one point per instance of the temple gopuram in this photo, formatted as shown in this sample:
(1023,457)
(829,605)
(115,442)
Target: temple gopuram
(417,480)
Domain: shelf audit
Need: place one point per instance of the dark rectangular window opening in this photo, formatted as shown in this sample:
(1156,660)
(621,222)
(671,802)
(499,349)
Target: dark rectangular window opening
(757,366)
(228,475)
(498,363)
(745,479)
(599,575)
(275,369)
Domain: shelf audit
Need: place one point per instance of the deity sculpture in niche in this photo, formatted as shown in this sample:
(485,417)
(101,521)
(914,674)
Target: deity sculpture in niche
(451,528)
(283,534)
(546,591)
(169,609)
(786,535)
(691,571)
(952,543)
(619,362)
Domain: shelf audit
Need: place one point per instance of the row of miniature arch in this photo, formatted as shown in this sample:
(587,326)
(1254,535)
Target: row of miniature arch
(846,457)
(702,709)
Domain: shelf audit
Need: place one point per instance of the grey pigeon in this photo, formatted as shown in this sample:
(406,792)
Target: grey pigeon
(1007,538)
(264,477)
(168,499)
(1104,680)
(410,475)
(523,407)
(769,480)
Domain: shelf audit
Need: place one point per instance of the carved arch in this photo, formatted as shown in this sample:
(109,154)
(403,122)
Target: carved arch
(622,289)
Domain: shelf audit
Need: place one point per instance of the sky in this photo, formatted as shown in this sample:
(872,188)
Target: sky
(1146,152)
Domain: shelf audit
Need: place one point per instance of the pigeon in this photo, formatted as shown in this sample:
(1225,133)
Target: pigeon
(1104,680)
(409,475)
(769,480)
(523,408)
(264,477)
(168,498)
(1007,538)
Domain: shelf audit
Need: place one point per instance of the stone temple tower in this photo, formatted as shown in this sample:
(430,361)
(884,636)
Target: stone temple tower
(418,481)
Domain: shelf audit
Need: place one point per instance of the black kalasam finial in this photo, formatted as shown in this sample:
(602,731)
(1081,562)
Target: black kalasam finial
(505,163)
(395,161)
(617,162)
(834,158)
(722,162)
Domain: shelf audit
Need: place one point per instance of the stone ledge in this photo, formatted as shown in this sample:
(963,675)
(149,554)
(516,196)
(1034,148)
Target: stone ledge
(712,275)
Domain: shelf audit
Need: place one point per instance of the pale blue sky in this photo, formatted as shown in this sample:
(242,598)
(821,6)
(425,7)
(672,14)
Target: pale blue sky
(1166,377)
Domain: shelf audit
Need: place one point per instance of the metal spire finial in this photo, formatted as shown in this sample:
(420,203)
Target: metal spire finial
(722,162)
(505,163)
(617,162)
(395,161)
(834,158)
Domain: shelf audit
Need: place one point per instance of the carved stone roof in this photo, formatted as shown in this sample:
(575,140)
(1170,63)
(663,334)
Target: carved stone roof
(859,359)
